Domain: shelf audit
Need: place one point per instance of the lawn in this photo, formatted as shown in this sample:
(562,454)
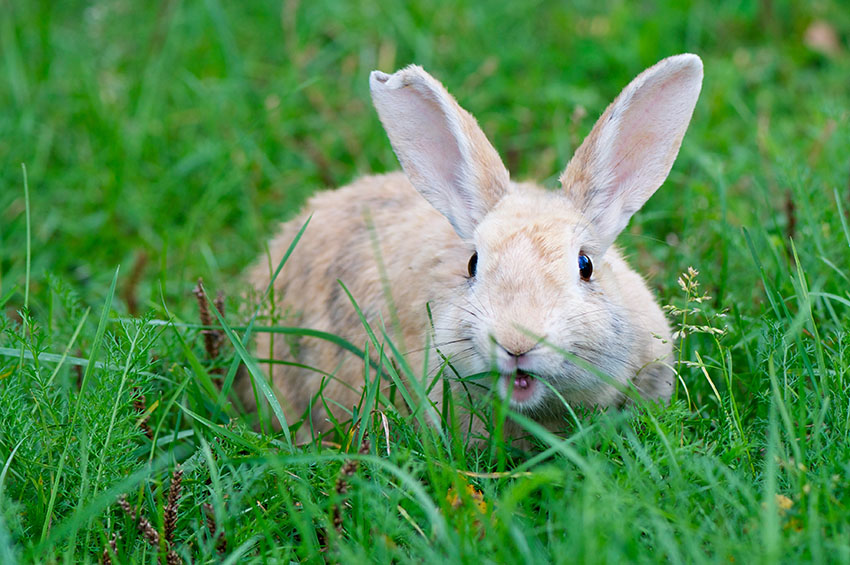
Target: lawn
(143,148)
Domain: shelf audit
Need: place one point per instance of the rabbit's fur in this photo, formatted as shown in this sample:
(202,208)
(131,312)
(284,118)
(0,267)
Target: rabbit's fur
(527,302)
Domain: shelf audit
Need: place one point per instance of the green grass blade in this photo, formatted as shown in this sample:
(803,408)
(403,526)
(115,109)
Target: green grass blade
(254,370)
(71,342)
(29,235)
(274,276)
(387,365)
(556,443)
(768,288)
(219,430)
(234,367)
(841,216)
(6,465)
(98,505)
(117,399)
(283,330)
(95,349)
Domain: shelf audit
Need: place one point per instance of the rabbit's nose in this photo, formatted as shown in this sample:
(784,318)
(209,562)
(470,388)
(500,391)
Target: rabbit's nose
(515,346)
(517,353)
(512,356)
(516,341)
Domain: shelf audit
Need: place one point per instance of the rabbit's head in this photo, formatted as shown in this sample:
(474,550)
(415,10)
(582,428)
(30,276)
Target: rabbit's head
(543,296)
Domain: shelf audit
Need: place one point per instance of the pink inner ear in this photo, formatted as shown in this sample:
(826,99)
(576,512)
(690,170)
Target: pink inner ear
(432,151)
(648,138)
(644,131)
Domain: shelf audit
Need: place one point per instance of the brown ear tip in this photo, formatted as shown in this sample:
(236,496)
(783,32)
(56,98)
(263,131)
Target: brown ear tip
(378,76)
(686,58)
(687,62)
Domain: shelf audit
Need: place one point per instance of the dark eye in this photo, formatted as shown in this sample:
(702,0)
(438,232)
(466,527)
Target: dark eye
(473,264)
(585,267)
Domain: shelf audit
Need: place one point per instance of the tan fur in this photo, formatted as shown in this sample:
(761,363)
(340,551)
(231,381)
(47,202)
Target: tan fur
(527,302)
(337,245)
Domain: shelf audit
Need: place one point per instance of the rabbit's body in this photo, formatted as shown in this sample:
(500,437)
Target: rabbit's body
(521,281)
(338,246)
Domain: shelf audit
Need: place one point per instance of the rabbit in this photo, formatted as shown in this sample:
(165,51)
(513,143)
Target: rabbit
(514,275)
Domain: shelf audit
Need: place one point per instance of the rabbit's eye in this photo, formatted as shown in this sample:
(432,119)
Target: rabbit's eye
(473,264)
(585,267)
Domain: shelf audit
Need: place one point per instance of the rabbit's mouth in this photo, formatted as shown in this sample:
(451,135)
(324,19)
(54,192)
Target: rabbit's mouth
(523,389)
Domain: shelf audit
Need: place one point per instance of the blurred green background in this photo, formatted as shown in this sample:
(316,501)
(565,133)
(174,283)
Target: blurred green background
(173,136)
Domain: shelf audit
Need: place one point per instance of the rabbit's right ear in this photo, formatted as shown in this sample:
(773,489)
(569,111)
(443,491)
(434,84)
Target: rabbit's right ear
(440,146)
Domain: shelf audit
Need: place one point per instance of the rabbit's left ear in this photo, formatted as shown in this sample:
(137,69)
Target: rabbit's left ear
(440,146)
(631,149)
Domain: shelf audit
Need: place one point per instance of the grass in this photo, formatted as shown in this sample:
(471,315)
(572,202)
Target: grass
(170,141)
